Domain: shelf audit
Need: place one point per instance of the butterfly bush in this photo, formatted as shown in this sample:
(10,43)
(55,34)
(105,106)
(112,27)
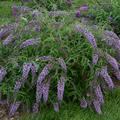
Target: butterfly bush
(53,62)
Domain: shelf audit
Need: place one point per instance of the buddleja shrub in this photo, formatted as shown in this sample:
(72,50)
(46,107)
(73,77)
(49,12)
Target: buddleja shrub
(45,54)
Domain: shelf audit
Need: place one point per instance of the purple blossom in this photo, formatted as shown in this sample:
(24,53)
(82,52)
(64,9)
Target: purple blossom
(97,106)
(26,70)
(99,94)
(8,40)
(117,74)
(58,24)
(34,71)
(56,106)
(44,58)
(37,28)
(88,35)
(111,19)
(35,108)
(84,8)
(41,77)
(62,63)
(45,91)
(107,78)
(14,7)
(95,58)
(14,14)
(28,43)
(16,20)
(112,61)
(13,108)
(3,26)
(83,103)
(60,88)
(17,87)
(77,12)
(2,73)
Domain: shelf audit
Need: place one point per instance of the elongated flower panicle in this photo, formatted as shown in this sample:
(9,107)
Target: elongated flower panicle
(103,85)
(14,108)
(41,77)
(8,40)
(60,88)
(56,106)
(45,91)
(95,58)
(117,74)
(26,69)
(88,35)
(83,103)
(62,63)
(2,73)
(99,94)
(17,87)
(34,71)
(97,106)
(28,43)
(112,61)
(35,108)
(44,58)
(107,78)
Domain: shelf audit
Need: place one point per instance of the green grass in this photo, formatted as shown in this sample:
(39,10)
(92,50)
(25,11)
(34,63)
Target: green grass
(71,111)
(6,11)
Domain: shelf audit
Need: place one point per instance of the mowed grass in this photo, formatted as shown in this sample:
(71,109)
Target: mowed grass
(72,111)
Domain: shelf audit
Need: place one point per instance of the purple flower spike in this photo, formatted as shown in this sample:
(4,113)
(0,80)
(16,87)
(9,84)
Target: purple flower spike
(35,108)
(112,61)
(95,59)
(60,88)
(56,107)
(14,7)
(16,20)
(45,91)
(37,28)
(26,70)
(28,43)
(17,86)
(8,40)
(2,74)
(83,103)
(99,94)
(62,63)
(34,71)
(97,106)
(14,108)
(107,78)
(111,19)
(14,13)
(41,77)
(84,8)
(77,13)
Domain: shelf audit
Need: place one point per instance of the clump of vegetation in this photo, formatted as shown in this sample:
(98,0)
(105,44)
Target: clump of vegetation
(49,52)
